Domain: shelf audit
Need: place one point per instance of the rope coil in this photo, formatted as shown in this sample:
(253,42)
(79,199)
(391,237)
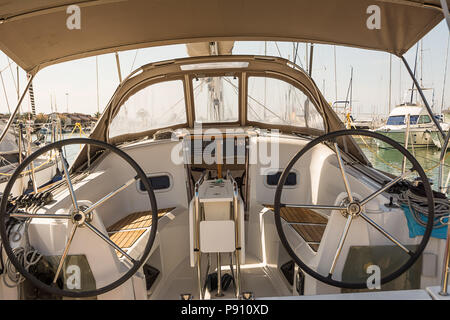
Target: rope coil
(26,254)
(418,206)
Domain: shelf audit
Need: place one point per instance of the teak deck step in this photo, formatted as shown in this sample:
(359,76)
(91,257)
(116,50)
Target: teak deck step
(128,230)
(308,224)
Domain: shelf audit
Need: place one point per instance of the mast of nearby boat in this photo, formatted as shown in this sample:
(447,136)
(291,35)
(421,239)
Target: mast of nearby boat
(4,91)
(67,102)
(18,83)
(414,74)
(118,67)
(424,99)
(265,81)
(445,74)
(335,75)
(348,97)
(421,63)
(390,83)
(400,82)
(311,54)
(306,57)
(96,75)
(351,90)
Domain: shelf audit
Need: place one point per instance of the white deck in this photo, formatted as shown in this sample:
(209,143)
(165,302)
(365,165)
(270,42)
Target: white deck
(379,295)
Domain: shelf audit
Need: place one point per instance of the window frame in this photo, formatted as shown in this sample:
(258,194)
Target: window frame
(238,75)
(294,83)
(142,86)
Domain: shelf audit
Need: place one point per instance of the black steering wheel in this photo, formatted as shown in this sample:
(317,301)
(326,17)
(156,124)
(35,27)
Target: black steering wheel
(79,217)
(353,208)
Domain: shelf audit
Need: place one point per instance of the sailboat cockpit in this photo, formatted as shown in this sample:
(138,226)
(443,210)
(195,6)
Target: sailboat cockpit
(177,192)
(220,176)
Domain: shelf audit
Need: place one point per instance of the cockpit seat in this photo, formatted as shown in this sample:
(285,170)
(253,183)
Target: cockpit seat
(127,231)
(307,223)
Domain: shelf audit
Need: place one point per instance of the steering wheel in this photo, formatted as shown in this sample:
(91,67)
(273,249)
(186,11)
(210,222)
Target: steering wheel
(79,217)
(353,208)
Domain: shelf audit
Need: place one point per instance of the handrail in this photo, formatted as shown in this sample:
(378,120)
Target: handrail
(237,236)
(197,233)
(445,267)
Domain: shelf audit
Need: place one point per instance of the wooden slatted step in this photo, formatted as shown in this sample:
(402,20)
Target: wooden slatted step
(128,230)
(307,223)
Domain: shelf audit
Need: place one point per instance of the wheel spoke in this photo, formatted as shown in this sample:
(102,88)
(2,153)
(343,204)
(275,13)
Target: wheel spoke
(385,233)
(110,195)
(313,206)
(66,250)
(344,175)
(341,245)
(108,241)
(385,187)
(68,181)
(39,216)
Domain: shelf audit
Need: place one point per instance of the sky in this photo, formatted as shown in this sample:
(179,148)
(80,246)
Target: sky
(73,85)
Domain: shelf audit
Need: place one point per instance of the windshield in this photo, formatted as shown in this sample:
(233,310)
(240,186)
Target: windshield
(216,99)
(275,101)
(156,106)
(400,120)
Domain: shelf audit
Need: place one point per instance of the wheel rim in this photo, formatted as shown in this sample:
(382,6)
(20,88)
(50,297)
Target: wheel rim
(328,279)
(4,214)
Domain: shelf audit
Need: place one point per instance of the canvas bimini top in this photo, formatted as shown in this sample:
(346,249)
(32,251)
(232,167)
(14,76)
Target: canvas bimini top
(36,34)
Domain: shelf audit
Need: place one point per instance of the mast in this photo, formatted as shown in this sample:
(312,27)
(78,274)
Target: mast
(390,83)
(96,74)
(265,82)
(421,63)
(400,82)
(118,67)
(335,76)
(414,73)
(311,55)
(67,102)
(306,57)
(445,74)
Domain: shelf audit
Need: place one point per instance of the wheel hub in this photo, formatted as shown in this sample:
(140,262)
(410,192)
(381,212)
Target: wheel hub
(354,209)
(79,217)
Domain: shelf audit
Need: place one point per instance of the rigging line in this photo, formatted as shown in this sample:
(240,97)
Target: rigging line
(176,103)
(237,92)
(134,60)
(4,91)
(4,69)
(279,52)
(415,69)
(12,73)
(300,61)
(262,105)
(256,114)
(295,53)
